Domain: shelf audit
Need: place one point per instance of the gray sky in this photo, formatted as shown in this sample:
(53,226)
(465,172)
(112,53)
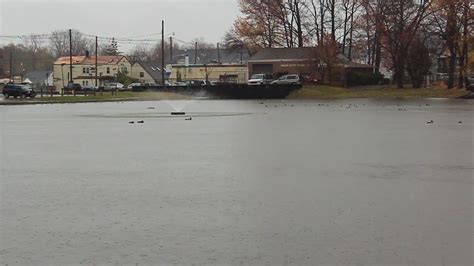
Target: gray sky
(189,19)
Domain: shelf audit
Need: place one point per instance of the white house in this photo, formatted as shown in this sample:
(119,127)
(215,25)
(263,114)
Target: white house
(84,72)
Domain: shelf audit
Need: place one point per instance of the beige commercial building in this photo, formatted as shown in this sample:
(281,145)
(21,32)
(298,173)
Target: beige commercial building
(229,73)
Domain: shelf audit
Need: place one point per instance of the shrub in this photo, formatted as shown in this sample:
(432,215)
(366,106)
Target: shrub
(124,79)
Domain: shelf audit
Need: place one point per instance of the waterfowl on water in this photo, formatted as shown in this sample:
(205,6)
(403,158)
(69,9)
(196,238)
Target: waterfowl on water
(430,122)
(131,122)
(140,122)
(189,119)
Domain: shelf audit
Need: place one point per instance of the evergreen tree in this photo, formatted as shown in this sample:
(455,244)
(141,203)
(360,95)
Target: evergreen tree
(111,49)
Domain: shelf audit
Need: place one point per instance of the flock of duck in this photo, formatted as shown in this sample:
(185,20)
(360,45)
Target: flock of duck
(292,105)
(172,113)
(356,106)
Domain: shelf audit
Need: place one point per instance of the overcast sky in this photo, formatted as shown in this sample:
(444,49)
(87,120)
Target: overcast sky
(188,19)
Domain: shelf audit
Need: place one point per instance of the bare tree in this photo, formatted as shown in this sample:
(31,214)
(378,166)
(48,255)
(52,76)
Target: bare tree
(141,52)
(451,20)
(467,24)
(204,54)
(59,43)
(400,25)
(33,43)
(349,9)
(418,61)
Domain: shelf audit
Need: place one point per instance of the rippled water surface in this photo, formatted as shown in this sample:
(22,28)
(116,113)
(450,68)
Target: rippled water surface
(355,182)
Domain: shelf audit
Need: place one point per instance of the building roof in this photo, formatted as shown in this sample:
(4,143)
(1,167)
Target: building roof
(266,54)
(227,56)
(295,54)
(153,68)
(85,60)
(38,76)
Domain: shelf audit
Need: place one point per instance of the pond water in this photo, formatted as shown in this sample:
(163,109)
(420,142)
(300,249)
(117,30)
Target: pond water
(353,182)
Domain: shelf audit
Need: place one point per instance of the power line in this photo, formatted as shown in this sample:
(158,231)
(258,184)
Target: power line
(45,39)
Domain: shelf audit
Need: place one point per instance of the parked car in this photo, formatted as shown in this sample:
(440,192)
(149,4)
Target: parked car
(260,79)
(288,80)
(133,85)
(150,84)
(196,82)
(470,83)
(309,80)
(179,83)
(115,86)
(73,86)
(16,90)
(89,88)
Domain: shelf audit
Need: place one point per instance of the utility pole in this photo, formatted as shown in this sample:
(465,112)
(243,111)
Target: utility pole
(70,56)
(241,53)
(163,53)
(171,49)
(96,67)
(70,61)
(11,64)
(195,52)
(218,54)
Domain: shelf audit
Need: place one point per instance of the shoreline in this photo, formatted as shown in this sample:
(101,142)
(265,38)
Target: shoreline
(319,92)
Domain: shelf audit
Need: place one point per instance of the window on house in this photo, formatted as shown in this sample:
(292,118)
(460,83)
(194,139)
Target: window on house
(142,74)
(83,70)
(108,70)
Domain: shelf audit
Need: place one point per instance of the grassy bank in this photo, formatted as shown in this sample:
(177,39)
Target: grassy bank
(388,92)
(106,97)
(307,92)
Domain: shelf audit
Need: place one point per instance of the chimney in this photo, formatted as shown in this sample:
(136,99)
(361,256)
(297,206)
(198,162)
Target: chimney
(88,54)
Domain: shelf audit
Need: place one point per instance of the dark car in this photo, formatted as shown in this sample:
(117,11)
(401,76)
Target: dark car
(470,83)
(73,87)
(16,90)
(89,88)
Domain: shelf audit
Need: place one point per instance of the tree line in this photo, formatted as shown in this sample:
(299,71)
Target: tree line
(402,35)
(38,52)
